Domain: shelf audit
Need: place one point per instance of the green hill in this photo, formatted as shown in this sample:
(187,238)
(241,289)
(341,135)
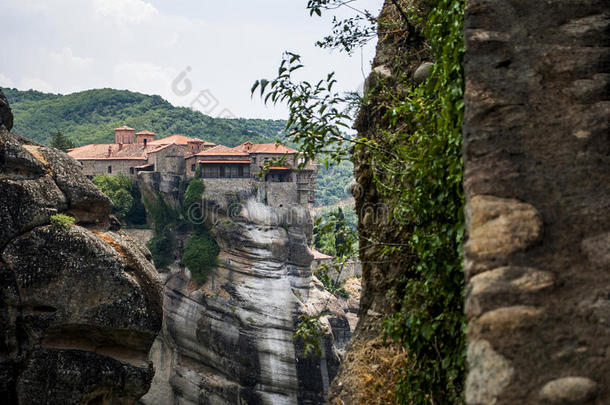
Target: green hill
(90,117)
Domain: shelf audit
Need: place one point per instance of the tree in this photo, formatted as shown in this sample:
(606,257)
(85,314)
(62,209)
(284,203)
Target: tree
(200,254)
(192,198)
(119,190)
(164,218)
(61,142)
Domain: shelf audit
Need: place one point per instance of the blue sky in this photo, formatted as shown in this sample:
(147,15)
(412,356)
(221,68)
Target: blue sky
(220,48)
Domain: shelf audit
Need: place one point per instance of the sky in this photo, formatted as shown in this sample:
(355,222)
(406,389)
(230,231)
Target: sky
(198,53)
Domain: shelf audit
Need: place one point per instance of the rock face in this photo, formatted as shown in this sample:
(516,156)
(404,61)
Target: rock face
(363,368)
(79,307)
(536,156)
(231,340)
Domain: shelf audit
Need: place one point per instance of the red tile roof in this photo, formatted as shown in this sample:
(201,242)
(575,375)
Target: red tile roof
(124,128)
(178,139)
(319,255)
(278,168)
(100,151)
(223,161)
(131,150)
(221,150)
(264,148)
(127,151)
(156,148)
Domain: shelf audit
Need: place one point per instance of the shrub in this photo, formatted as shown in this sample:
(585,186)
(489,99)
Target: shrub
(62,221)
(164,218)
(161,247)
(310,332)
(332,286)
(192,197)
(162,215)
(122,191)
(200,254)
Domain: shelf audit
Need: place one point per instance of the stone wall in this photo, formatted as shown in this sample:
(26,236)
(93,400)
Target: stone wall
(537,170)
(350,269)
(191,166)
(119,166)
(281,194)
(273,194)
(169,159)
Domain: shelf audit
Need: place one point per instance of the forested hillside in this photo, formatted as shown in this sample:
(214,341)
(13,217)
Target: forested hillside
(90,117)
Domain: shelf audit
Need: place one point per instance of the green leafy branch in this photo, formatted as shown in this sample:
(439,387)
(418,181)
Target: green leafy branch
(310,332)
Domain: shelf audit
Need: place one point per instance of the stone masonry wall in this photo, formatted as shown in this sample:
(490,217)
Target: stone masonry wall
(168,160)
(97,167)
(273,194)
(281,194)
(537,171)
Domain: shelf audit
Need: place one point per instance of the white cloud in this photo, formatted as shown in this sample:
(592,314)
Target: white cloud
(32,6)
(126,11)
(5,81)
(142,45)
(66,59)
(29,83)
(144,77)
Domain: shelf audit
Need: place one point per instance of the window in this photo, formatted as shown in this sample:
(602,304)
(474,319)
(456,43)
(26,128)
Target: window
(240,171)
(131,171)
(193,167)
(222,171)
(109,169)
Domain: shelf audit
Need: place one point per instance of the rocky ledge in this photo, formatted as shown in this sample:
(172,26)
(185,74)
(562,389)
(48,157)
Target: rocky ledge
(80,305)
(230,341)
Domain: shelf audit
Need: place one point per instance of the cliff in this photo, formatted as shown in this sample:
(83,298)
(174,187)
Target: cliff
(80,305)
(535,179)
(230,340)
(373,364)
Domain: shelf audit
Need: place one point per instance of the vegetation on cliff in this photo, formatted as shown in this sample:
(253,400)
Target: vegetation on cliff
(200,251)
(125,196)
(409,150)
(425,132)
(164,218)
(61,221)
(336,236)
(200,254)
(192,195)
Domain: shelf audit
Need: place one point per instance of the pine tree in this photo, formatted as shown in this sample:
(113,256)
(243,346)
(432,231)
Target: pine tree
(61,142)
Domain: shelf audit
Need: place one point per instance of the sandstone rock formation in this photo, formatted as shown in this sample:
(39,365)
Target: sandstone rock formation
(364,363)
(537,164)
(79,306)
(230,341)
